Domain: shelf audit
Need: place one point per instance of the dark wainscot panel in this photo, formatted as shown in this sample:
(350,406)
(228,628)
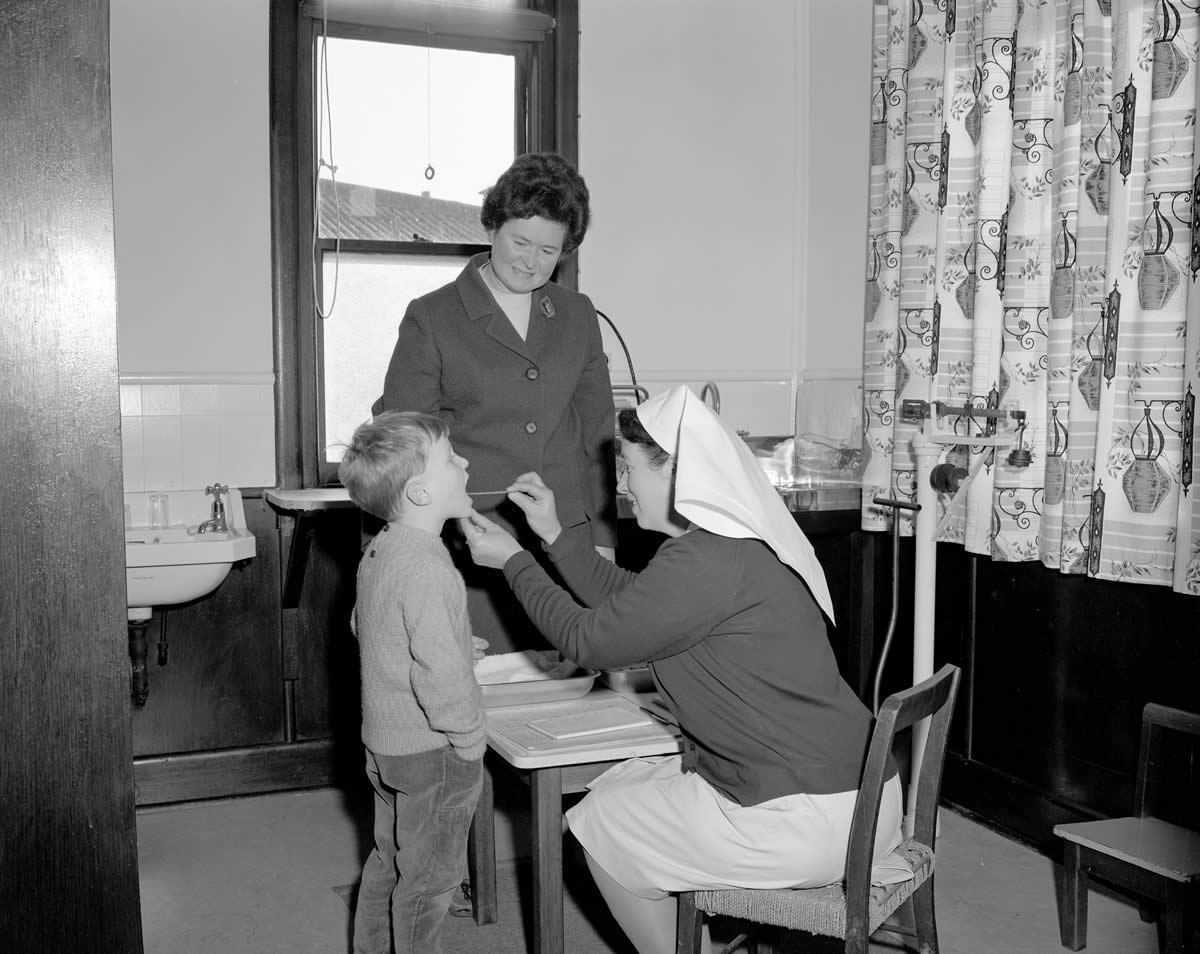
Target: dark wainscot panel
(258,698)
(221,689)
(1057,670)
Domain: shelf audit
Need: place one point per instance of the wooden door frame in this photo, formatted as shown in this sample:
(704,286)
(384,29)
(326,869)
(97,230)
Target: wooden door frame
(69,878)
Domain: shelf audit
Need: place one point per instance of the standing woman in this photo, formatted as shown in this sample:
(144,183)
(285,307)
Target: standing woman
(514,364)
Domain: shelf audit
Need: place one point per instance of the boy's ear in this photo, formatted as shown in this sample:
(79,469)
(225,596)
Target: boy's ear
(416,493)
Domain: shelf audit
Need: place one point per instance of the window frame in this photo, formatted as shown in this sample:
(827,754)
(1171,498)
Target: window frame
(545,94)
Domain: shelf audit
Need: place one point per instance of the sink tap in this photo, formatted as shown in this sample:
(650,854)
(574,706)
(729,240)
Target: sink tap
(710,387)
(217,522)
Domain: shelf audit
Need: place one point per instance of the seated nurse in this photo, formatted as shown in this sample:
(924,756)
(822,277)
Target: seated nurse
(728,615)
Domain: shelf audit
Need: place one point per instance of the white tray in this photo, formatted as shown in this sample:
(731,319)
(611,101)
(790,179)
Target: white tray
(538,690)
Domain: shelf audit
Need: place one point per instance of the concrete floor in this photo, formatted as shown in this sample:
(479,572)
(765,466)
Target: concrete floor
(274,874)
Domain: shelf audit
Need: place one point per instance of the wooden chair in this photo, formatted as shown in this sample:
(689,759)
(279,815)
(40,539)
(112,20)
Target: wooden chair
(854,909)
(1143,852)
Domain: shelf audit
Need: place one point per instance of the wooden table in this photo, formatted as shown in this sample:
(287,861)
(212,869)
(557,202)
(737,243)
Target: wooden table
(551,768)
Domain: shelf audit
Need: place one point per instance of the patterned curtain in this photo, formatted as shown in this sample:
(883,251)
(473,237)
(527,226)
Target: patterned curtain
(1034,174)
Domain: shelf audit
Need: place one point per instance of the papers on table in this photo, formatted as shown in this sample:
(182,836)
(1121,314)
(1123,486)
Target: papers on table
(609,718)
(624,730)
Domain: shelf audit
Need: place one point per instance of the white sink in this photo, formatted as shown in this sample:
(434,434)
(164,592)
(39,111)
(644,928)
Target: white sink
(176,564)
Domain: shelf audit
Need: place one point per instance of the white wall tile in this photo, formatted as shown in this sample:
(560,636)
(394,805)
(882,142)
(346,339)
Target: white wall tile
(188,435)
(131,436)
(163,473)
(247,450)
(247,399)
(237,437)
(760,407)
(202,430)
(201,449)
(160,399)
(133,473)
(201,466)
(200,399)
(265,403)
(251,473)
(162,436)
(131,400)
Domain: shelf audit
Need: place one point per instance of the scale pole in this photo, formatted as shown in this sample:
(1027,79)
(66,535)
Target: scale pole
(924,597)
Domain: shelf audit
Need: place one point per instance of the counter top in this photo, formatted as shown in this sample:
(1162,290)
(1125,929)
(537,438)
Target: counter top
(833,497)
(825,498)
(314,498)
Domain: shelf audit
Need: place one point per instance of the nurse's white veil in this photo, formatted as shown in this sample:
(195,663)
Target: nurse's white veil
(720,487)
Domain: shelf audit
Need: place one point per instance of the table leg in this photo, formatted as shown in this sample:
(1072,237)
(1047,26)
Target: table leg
(1072,915)
(546,791)
(1175,920)
(481,854)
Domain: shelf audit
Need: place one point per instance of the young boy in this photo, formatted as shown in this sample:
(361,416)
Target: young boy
(423,720)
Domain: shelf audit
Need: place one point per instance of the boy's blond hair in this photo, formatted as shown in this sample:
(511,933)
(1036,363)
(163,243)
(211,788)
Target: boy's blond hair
(384,454)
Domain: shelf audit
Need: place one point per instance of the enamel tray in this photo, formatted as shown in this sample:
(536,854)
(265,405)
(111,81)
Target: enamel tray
(538,690)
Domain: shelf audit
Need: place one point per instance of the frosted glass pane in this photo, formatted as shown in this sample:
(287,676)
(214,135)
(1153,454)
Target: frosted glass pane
(417,135)
(373,292)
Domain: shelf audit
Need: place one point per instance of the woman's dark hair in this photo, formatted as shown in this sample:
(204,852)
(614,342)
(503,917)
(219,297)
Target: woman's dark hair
(540,183)
(632,431)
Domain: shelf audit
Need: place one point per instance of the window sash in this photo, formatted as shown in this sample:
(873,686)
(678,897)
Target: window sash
(351,246)
(316,468)
(370,306)
(546,79)
(445,19)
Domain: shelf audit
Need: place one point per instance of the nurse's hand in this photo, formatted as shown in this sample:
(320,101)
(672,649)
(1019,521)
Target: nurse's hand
(530,493)
(490,544)
(479,647)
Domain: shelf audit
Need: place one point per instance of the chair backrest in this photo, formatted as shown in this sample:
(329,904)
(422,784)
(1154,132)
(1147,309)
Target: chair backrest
(1168,775)
(933,698)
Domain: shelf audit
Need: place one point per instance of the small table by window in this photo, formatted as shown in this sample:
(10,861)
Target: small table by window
(298,510)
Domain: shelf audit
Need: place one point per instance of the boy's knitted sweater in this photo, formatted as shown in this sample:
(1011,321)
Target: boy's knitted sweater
(418,673)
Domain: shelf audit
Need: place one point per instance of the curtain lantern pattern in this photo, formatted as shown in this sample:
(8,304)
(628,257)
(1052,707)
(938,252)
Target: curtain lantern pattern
(1031,248)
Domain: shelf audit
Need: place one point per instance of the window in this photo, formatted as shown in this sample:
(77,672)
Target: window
(403,117)
(409,139)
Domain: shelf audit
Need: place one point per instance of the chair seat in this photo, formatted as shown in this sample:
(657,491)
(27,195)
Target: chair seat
(1148,843)
(818,910)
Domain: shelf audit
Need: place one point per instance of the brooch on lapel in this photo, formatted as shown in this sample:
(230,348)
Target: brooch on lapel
(547,307)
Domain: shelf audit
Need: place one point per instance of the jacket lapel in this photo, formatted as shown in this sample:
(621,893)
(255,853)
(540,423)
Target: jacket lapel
(481,307)
(500,330)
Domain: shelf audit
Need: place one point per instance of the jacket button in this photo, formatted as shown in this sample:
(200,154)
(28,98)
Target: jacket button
(531,373)
(531,428)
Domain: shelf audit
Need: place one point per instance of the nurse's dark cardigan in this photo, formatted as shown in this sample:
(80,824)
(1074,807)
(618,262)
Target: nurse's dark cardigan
(738,649)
